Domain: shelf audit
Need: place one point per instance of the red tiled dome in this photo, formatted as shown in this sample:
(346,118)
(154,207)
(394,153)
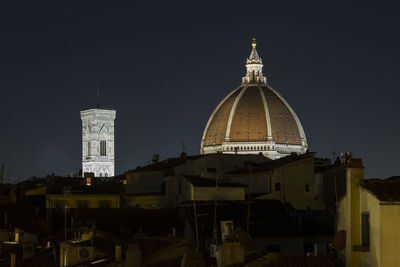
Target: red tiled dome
(254,116)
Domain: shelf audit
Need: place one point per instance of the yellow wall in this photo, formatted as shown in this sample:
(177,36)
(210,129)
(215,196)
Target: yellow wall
(349,216)
(354,176)
(146,202)
(86,236)
(384,225)
(39,190)
(223,193)
(390,235)
(293,178)
(369,203)
(384,231)
(93,199)
(133,176)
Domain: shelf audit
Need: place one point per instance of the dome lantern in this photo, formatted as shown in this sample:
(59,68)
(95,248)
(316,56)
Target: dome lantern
(254,67)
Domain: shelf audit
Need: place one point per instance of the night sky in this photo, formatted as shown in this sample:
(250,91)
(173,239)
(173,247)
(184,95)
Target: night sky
(164,67)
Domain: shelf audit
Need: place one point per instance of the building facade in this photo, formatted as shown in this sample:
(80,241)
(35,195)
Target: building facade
(369,216)
(76,192)
(98,142)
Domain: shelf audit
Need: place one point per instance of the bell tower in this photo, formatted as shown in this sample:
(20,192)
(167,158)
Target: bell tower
(98,141)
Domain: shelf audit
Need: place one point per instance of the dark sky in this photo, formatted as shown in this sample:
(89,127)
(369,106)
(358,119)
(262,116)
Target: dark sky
(164,67)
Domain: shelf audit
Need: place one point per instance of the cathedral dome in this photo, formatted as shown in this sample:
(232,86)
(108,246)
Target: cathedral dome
(253,119)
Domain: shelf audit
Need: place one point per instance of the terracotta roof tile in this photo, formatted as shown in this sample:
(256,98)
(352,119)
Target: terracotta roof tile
(249,121)
(384,189)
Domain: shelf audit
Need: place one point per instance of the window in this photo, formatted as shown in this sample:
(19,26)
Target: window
(83,204)
(274,248)
(277,186)
(307,188)
(163,188)
(365,229)
(104,203)
(308,249)
(88,148)
(59,204)
(103,148)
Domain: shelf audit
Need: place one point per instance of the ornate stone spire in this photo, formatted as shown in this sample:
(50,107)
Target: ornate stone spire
(254,67)
(254,57)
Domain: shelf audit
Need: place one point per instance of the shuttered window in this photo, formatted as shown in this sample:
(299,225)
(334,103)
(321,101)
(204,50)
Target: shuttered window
(365,229)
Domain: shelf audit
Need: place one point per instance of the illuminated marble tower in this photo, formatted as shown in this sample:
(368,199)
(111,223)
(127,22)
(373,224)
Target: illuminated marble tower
(98,142)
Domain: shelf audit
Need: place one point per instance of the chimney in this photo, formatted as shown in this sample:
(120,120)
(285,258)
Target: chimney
(155,158)
(183,156)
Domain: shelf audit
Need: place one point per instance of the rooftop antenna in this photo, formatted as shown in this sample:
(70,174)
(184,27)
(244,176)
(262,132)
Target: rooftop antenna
(183,146)
(98,96)
(2,173)
(333,153)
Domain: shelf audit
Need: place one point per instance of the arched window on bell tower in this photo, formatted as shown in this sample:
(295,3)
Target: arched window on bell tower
(103,148)
(88,149)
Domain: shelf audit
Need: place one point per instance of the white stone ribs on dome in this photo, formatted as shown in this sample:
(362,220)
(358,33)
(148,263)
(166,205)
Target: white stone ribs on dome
(301,130)
(269,131)
(228,127)
(267,137)
(212,115)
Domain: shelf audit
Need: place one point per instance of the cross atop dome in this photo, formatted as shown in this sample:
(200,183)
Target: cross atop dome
(254,67)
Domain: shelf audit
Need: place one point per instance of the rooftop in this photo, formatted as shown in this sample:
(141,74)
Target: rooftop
(384,189)
(272,164)
(98,186)
(268,218)
(166,164)
(207,182)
